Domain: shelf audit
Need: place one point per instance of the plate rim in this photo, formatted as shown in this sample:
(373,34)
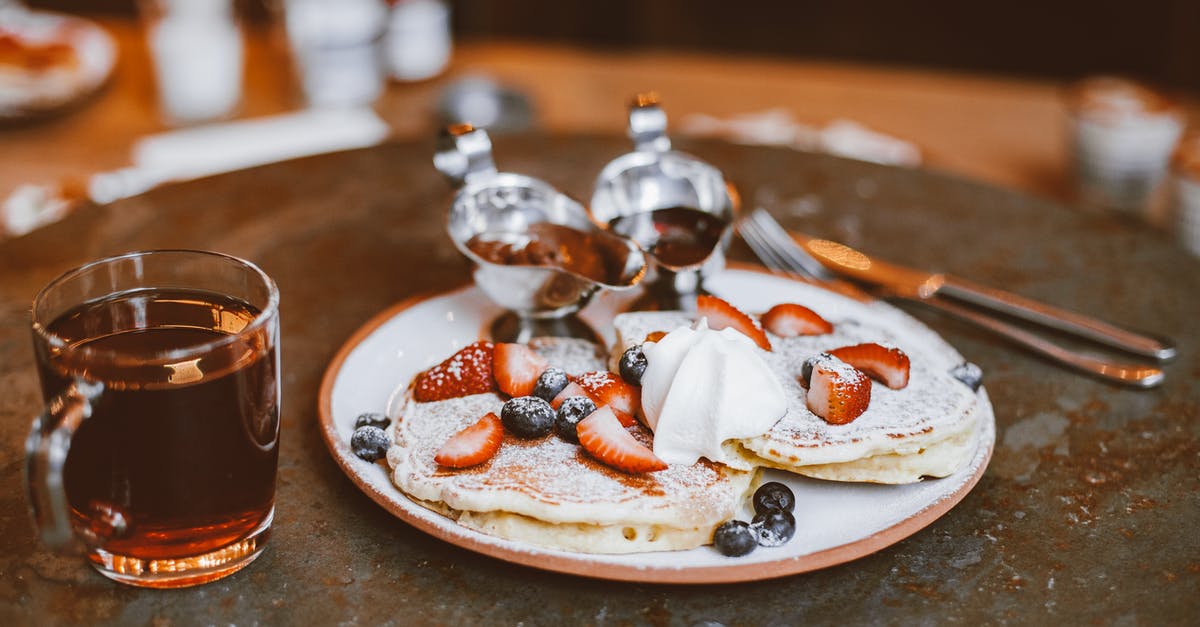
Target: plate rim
(544,559)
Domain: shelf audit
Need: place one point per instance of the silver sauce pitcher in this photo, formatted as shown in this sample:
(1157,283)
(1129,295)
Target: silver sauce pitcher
(632,191)
(500,208)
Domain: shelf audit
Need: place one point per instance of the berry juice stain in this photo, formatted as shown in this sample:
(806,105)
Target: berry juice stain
(179,455)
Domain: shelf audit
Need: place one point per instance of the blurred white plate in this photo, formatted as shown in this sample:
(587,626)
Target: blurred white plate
(30,92)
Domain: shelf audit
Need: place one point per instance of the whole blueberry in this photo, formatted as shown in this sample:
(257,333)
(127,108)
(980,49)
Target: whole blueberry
(633,365)
(969,374)
(371,419)
(369,443)
(734,538)
(570,412)
(527,417)
(550,383)
(773,495)
(774,527)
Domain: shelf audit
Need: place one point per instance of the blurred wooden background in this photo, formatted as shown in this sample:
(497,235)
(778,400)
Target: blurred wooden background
(977,86)
(1152,40)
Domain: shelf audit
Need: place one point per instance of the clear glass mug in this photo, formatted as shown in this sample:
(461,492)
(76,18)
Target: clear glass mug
(158,446)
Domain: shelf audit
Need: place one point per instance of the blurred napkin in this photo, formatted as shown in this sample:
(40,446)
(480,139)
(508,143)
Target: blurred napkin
(206,150)
(201,151)
(777,127)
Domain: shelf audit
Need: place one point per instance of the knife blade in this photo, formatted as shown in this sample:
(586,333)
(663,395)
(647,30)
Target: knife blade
(924,285)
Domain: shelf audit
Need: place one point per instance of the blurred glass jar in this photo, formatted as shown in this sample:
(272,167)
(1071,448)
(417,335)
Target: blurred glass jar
(198,57)
(336,47)
(418,42)
(1122,134)
(1186,194)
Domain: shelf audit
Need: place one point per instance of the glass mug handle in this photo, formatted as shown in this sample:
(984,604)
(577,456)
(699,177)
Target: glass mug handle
(46,451)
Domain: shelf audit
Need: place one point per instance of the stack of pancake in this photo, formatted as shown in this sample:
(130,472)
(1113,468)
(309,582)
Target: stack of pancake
(549,492)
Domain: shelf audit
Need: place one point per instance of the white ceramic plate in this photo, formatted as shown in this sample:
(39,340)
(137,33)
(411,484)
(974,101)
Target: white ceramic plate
(836,522)
(94,48)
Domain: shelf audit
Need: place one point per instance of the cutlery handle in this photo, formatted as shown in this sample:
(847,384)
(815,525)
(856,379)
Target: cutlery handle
(1136,375)
(1161,349)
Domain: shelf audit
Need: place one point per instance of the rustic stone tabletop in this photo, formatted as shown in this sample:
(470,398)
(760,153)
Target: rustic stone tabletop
(1087,514)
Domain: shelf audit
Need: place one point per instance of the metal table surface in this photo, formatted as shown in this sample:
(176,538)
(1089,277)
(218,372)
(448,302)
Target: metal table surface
(1088,512)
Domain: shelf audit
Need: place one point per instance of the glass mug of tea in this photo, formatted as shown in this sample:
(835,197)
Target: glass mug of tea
(158,446)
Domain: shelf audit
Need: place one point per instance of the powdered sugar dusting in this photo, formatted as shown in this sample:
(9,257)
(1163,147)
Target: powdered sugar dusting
(837,392)
(549,478)
(468,370)
(595,380)
(574,356)
(836,515)
(933,403)
(932,406)
(836,367)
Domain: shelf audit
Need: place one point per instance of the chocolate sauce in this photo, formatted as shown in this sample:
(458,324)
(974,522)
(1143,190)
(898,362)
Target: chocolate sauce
(678,237)
(553,245)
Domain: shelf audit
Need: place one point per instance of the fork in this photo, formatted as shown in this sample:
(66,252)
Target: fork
(777,250)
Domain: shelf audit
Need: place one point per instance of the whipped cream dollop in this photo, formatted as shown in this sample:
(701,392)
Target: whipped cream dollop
(702,387)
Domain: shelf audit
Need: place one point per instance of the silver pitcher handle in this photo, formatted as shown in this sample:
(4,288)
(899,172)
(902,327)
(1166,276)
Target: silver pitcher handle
(463,153)
(648,124)
(45,455)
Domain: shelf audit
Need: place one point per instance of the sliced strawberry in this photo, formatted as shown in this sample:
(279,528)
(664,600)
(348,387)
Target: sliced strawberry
(517,368)
(469,371)
(790,320)
(722,315)
(572,389)
(602,435)
(626,420)
(606,388)
(887,365)
(837,391)
(474,445)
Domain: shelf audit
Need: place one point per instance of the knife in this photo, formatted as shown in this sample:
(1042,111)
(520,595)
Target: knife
(782,252)
(932,287)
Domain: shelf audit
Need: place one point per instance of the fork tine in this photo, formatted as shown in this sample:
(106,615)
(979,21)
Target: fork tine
(773,254)
(771,248)
(766,252)
(785,246)
(777,248)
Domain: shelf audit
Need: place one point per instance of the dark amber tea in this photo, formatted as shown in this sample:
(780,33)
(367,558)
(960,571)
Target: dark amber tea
(158,441)
(178,457)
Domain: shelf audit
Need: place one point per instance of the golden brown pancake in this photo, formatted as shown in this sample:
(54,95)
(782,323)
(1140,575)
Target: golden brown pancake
(549,491)
(925,429)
